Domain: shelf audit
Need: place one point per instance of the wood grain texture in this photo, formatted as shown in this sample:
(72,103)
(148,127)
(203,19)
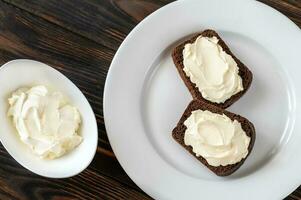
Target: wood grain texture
(17,183)
(85,62)
(80,38)
(106,22)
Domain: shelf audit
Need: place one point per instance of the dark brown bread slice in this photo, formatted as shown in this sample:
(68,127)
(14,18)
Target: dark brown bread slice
(244,72)
(179,131)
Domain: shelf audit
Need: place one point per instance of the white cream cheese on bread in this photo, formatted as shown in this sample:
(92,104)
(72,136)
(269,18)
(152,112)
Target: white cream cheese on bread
(214,72)
(216,138)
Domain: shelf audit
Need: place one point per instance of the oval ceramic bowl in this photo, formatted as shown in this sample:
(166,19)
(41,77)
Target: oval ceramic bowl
(22,73)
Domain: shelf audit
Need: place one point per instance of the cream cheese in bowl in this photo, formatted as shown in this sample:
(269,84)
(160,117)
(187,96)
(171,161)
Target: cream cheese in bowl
(45,121)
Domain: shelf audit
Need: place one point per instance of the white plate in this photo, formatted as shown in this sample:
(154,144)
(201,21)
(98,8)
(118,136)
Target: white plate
(22,73)
(144,98)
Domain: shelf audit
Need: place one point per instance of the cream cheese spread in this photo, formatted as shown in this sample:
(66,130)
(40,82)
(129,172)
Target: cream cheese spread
(214,72)
(216,138)
(45,121)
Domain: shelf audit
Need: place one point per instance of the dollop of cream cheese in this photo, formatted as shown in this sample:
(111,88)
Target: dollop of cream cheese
(45,121)
(214,72)
(216,138)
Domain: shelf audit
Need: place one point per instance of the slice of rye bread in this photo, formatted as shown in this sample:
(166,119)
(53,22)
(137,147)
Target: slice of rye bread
(179,131)
(244,72)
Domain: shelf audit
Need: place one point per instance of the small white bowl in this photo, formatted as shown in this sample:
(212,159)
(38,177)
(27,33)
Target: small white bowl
(20,73)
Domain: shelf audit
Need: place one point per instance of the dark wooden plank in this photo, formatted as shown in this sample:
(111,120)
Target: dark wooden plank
(106,22)
(17,183)
(23,35)
(84,62)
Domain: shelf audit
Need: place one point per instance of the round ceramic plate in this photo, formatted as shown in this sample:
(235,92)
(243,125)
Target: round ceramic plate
(145,97)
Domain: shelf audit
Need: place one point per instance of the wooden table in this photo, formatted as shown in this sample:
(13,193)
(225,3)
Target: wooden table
(80,38)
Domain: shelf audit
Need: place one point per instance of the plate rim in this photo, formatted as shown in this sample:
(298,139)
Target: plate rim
(106,103)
